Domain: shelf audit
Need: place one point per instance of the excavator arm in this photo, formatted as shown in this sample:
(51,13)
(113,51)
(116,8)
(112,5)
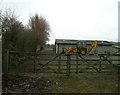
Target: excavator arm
(94,46)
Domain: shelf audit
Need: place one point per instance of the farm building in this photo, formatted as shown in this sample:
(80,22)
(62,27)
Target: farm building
(116,46)
(103,46)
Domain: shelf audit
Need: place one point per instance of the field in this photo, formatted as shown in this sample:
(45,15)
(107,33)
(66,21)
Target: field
(37,81)
(54,83)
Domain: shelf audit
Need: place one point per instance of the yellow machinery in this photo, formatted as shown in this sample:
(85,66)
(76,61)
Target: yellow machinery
(81,48)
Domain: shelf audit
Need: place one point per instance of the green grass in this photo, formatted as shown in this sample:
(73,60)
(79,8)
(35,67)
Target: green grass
(82,83)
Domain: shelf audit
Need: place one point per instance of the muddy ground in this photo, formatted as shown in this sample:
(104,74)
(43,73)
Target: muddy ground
(25,84)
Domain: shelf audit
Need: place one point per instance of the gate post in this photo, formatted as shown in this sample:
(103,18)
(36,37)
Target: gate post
(118,79)
(76,63)
(34,64)
(59,66)
(7,63)
(68,65)
(100,65)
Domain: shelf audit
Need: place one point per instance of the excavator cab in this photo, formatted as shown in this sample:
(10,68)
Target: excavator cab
(82,47)
(81,44)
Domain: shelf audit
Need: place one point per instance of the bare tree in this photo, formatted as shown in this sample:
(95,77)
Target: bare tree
(41,28)
(11,27)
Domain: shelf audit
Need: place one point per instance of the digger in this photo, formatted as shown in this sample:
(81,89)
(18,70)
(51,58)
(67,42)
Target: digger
(81,48)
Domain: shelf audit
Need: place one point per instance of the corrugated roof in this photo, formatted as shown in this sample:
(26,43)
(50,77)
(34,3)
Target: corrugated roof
(61,41)
(69,41)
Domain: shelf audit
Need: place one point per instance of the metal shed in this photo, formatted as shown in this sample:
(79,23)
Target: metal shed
(103,46)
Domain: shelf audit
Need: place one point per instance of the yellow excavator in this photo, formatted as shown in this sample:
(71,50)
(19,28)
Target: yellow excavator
(81,48)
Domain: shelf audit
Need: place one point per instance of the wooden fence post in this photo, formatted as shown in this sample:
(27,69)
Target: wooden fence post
(76,63)
(59,66)
(100,65)
(7,63)
(34,65)
(118,79)
(68,65)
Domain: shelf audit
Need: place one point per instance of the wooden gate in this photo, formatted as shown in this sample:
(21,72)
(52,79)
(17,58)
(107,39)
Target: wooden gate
(26,62)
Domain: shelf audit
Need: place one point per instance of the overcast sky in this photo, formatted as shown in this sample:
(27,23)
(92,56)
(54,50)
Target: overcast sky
(71,19)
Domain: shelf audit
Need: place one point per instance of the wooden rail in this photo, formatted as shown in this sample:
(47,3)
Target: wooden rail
(68,61)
